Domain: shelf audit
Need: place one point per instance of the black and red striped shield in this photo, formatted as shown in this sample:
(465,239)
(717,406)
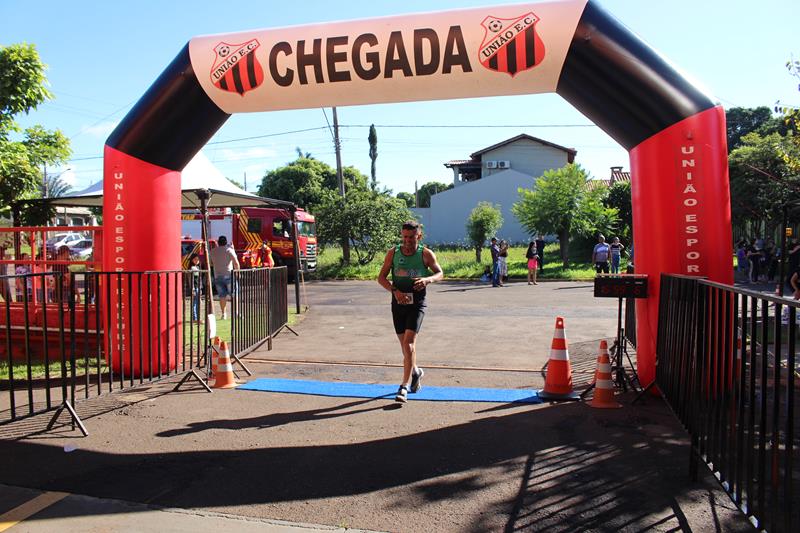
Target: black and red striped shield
(236,68)
(511,45)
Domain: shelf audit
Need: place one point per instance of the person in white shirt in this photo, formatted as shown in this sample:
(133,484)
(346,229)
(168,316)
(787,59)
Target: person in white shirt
(224,261)
(600,255)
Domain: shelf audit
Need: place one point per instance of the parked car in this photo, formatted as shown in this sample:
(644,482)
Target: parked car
(62,239)
(81,250)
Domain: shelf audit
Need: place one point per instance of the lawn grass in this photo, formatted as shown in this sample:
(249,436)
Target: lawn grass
(461,265)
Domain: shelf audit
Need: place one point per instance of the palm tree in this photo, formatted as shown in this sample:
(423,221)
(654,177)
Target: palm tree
(55,187)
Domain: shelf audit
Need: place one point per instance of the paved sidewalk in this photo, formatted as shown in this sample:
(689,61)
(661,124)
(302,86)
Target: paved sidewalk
(33,511)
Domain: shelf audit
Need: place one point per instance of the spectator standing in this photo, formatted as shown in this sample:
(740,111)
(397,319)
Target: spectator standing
(600,255)
(540,252)
(754,256)
(792,258)
(502,261)
(742,263)
(616,253)
(224,260)
(23,281)
(532,255)
(196,282)
(495,249)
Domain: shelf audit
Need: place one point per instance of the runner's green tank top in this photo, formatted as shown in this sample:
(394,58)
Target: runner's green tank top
(407,267)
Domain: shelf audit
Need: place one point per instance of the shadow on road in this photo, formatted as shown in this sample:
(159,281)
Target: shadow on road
(606,478)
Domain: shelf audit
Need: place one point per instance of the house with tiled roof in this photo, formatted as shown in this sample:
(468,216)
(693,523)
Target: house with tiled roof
(617,176)
(493,174)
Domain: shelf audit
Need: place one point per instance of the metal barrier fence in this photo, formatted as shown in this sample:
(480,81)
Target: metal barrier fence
(727,366)
(260,308)
(53,344)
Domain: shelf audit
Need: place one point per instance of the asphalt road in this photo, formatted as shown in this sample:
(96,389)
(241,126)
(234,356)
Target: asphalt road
(372,464)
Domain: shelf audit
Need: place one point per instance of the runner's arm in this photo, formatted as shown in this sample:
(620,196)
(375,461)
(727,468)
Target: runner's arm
(383,280)
(429,258)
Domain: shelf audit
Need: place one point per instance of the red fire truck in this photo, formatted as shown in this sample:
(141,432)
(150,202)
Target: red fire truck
(254,226)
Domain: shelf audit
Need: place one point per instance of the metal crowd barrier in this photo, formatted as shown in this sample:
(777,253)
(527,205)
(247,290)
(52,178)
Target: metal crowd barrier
(54,350)
(727,367)
(260,308)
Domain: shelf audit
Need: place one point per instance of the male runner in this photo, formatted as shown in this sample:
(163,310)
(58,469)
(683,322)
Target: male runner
(409,263)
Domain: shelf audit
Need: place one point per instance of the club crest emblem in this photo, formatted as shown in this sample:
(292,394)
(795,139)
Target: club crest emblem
(236,68)
(511,45)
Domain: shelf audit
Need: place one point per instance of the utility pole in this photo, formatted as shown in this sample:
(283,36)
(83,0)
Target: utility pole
(340,178)
(245,181)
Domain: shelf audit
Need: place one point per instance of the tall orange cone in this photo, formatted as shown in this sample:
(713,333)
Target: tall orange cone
(558,383)
(603,385)
(224,373)
(215,351)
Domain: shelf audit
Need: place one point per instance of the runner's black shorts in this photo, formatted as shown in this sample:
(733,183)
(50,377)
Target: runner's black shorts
(407,316)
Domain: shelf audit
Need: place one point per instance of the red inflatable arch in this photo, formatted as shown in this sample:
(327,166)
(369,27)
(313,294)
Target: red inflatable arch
(674,132)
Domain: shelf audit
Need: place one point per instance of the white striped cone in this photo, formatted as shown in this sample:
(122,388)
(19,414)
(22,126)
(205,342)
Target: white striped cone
(225,379)
(558,382)
(603,384)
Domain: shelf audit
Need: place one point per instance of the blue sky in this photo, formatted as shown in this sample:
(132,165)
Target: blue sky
(102,56)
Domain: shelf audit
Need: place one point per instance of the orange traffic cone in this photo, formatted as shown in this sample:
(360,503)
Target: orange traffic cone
(558,383)
(603,385)
(215,351)
(224,372)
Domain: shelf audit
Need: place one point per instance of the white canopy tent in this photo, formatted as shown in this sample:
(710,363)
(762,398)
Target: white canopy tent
(203,186)
(199,175)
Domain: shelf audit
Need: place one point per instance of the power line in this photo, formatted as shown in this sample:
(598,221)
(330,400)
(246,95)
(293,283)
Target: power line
(267,135)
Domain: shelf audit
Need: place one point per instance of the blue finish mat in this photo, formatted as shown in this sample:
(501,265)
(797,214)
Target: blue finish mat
(363,390)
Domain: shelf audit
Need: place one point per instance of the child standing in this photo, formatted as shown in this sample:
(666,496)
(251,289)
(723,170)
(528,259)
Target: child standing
(616,252)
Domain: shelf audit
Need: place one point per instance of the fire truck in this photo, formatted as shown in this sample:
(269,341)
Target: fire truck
(254,226)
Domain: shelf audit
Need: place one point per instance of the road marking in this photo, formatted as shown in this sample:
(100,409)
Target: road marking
(30,508)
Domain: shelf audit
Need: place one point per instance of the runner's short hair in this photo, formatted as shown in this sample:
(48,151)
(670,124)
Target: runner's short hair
(412,225)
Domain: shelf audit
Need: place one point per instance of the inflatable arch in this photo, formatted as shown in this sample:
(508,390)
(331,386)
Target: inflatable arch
(674,132)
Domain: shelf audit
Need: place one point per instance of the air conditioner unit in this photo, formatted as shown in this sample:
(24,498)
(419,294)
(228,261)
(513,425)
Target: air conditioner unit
(491,164)
(504,164)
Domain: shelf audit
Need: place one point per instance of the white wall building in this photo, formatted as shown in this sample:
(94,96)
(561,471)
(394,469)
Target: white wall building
(494,175)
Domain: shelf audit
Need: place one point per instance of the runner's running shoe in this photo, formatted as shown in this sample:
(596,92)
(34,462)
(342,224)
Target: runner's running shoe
(416,377)
(402,394)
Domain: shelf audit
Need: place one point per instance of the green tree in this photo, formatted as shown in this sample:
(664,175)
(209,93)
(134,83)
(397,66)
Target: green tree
(743,120)
(761,180)
(22,163)
(406,197)
(301,181)
(373,155)
(483,222)
(429,189)
(619,197)
(791,119)
(370,220)
(560,202)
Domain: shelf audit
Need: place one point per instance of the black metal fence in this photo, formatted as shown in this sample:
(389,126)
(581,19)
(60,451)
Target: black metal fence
(727,366)
(54,349)
(260,308)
